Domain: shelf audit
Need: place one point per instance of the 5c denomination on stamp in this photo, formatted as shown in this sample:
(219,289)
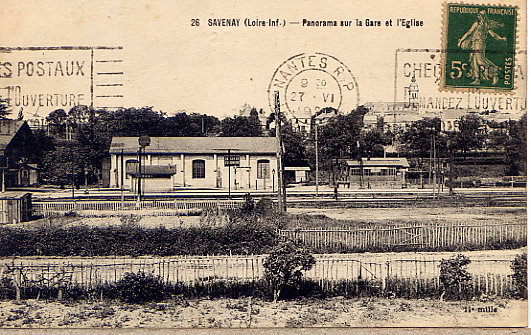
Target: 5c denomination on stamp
(480,43)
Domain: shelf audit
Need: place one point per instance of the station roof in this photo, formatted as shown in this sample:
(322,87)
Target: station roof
(197,145)
(383,162)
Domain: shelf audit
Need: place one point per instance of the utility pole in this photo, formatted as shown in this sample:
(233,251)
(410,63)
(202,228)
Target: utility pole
(85,170)
(434,181)
(143,142)
(281,206)
(3,180)
(316,158)
(122,176)
(229,167)
(73,184)
(430,161)
(139,175)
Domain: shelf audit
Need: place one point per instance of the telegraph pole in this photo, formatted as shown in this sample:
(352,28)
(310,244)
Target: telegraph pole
(316,157)
(139,176)
(143,142)
(280,198)
(434,181)
(230,166)
(122,176)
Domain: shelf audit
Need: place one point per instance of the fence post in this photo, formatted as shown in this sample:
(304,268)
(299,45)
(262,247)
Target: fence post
(18,278)
(385,278)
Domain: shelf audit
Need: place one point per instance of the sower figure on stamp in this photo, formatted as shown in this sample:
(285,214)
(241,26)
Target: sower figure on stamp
(475,40)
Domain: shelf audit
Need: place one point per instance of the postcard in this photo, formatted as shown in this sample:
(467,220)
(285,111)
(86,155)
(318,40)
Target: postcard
(263,165)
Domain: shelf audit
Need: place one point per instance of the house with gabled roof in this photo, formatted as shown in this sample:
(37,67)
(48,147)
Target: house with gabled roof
(19,153)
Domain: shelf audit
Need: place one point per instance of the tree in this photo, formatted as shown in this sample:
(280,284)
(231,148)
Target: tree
(497,139)
(204,125)
(4,109)
(294,145)
(418,138)
(182,124)
(64,163)
(373,141)
(471,134)
(516,147)
(340,136)
(454,277)
(285,264)
(130,122)
(519,267)
(56,122)
(80,114)
(243,126)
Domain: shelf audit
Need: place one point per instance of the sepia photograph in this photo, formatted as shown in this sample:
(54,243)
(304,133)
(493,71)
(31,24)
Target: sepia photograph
(256,165)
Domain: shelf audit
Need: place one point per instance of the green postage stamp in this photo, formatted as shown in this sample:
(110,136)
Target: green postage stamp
(479,48)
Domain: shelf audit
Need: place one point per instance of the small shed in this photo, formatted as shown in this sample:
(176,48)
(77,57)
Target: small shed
(15,207)
(378,166)
(297,174)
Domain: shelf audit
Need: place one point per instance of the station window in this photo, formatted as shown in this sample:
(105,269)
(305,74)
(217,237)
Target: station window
(131,166)
(198,168)
(263,169)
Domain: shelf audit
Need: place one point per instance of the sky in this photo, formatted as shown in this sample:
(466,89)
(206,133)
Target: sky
(174,66)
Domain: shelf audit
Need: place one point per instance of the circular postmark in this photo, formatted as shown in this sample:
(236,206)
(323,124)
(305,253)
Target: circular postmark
(309,82)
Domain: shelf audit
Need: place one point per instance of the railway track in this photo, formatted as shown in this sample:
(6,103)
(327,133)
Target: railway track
(360,199)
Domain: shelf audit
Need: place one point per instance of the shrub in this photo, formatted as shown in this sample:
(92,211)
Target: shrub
(131,220)
(7,288)
(455,277)
(71,214)
(264,206)
(248,204)
(141,287)
(284,266)
(519,267)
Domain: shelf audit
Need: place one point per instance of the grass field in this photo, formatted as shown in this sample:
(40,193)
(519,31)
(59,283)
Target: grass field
(317,217)
(353,216)
(241,313)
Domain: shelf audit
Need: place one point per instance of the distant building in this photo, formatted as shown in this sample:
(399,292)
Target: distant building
(262,114)
(394,116)
(297,174)
(170,163)
(388,172)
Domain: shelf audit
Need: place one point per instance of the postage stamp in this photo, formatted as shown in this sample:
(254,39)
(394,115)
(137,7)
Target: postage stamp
(480,43)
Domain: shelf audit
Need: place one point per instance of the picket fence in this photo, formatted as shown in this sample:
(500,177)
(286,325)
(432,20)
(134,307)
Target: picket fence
(153,207)
(432,235)
(490,276)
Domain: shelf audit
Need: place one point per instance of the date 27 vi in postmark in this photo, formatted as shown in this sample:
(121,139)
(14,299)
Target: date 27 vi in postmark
(479,43)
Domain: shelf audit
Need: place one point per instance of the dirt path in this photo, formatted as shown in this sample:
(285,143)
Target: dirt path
(234,313)
(421,214)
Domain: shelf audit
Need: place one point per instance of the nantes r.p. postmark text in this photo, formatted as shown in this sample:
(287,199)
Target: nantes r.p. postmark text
(309,82)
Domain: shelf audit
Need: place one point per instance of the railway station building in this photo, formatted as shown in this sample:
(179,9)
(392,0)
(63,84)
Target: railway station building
(172,163)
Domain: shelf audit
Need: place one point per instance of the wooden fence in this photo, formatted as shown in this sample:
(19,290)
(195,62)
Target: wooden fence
(433,235)
(154,207)
(490,276)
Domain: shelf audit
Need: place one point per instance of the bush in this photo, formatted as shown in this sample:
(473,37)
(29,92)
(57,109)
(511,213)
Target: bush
(141,287)
(519,267)
(248,204)
(264,206)
(284,266)
(455,278)
(242,235)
